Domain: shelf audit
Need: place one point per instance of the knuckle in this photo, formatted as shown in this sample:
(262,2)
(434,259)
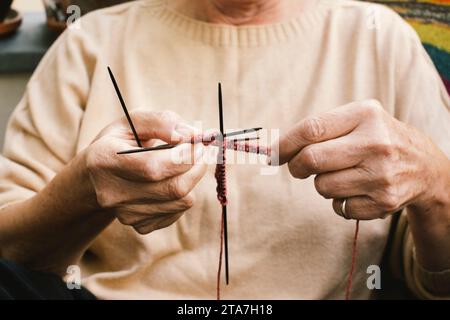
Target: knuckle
(390,201)
(386,178)
(373,107)
(387,150)
(105,199)
(187,202)
(374,103)
(126,219)
(96,161)
(143,230)
(294,169)
(309,159)
(92,162)
(178,189)
(152,170)
(293,139)
(312,129)
(321,186)
(168,115)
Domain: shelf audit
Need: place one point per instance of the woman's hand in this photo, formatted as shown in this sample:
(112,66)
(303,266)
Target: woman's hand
(360,153)
(148,191)
(151,190)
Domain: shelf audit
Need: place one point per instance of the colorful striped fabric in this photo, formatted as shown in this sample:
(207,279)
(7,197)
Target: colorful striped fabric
(431,20)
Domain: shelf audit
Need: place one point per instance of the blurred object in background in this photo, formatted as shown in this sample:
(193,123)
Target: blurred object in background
(56,10)
(431,20)
(56,13)
(28,5)
(10,19)
(4,9)
(90,5)
(21,52)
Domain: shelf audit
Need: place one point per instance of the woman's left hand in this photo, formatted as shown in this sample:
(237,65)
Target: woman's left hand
(361,154)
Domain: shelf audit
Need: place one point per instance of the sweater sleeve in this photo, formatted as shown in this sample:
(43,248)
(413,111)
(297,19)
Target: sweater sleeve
(42,132)
(422,101)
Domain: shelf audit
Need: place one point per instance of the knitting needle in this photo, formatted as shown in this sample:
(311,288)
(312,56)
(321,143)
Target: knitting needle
(170,146)
(165,146)
(161,147)
(224,207)
(229,145)
(238,133)
(124,107)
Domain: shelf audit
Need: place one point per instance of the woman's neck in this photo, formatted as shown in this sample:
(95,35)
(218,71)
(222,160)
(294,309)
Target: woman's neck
(240,12)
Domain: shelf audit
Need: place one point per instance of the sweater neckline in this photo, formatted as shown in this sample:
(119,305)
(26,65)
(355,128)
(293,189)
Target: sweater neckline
(238,36)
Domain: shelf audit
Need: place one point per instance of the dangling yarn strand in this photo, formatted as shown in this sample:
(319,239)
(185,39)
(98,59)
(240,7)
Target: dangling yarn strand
(353,264)
(219,270)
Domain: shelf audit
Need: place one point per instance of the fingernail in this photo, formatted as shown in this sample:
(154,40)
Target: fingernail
(176,137)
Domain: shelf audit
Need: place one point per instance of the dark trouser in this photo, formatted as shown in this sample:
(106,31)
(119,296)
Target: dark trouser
(18,283)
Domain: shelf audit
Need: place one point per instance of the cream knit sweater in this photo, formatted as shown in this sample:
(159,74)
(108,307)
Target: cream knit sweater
(285,240)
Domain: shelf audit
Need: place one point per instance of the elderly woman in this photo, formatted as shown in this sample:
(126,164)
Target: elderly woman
(364,120)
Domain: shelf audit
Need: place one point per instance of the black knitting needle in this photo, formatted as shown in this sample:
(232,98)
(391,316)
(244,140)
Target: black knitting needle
(171,146)
(124,107)
(224,208)
(238,133)
(161,147)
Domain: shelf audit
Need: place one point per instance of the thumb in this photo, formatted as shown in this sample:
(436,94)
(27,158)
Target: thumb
(167,126)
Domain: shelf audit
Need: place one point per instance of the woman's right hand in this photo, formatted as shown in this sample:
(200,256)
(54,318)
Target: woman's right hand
(149,190)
